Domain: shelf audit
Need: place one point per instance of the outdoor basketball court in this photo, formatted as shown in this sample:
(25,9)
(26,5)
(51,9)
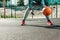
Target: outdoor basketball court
(34,29)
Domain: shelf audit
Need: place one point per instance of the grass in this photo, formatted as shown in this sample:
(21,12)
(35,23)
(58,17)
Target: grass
(9,16)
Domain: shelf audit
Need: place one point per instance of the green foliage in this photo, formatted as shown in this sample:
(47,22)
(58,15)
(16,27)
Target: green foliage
(6,0)
(9,16)
(20,2)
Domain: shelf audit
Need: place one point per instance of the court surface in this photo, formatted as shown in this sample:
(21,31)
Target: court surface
(34,29)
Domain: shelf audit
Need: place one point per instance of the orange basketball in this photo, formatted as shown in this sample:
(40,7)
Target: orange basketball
(47,11)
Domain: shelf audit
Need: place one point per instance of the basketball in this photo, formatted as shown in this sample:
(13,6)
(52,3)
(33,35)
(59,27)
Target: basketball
(47,11)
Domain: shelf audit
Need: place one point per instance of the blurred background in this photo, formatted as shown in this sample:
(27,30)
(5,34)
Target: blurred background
(16,8)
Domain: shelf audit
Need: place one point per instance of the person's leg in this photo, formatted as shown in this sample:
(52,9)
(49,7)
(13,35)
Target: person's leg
(27,11)
(25,16)
(48,20)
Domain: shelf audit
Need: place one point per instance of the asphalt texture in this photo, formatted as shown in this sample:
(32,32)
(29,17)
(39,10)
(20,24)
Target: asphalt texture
(34,29)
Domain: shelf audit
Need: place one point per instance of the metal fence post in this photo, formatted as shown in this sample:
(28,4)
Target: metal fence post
(11,8)
(15,11)
(56,10)
(4,8)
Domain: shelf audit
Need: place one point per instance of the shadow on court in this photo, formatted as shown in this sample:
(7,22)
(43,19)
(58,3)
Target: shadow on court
(45,26)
